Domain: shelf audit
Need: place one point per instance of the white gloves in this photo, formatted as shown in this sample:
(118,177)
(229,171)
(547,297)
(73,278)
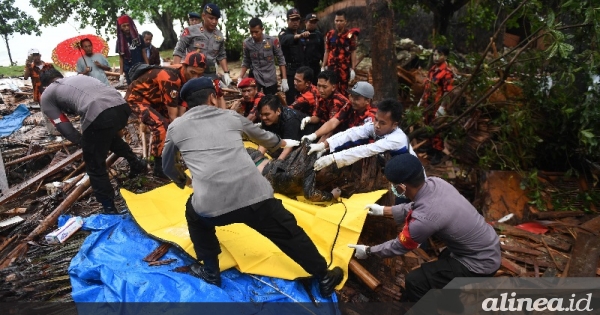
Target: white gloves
(361,251)
(311,137)
(290,143)
(258,124)
(226,79)
(323,68)
(440,112)
(323,162)
(352,75)
(375,209)
(305,120)
(316,147)
(284,85)
(122,79)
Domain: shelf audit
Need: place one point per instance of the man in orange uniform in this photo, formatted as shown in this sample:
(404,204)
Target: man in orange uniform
(154,98)
(340,51)
(308,97)
(34,66)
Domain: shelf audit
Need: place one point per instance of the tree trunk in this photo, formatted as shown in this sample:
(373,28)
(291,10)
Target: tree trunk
(164,22)
(8,49)
(383,52)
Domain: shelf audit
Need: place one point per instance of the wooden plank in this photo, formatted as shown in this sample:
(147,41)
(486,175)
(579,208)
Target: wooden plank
(17,190)
(528,261)
(523,250)
(552,242)
(511,266)
(584,257)
(549,215)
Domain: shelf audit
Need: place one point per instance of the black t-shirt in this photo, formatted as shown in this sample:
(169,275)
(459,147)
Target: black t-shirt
(314,48)
(288,126)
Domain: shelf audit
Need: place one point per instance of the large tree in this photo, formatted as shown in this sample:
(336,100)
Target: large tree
(104,13)
(13,20)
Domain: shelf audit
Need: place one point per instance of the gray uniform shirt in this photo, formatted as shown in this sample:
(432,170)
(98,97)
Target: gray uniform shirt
(224,177)
(440,210)
(96,72)
(197,38)
(260,57)
(80,95)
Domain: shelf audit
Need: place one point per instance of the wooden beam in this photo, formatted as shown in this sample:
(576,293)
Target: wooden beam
(17,190)
(32,156)
(584,256)
(364,275)
(549,215)
(552,242)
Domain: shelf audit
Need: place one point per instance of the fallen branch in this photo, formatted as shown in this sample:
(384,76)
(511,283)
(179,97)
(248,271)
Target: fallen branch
(16,191)
(31,156)
(51,219)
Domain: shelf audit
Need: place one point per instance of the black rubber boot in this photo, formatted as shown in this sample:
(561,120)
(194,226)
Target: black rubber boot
(109,206)
(328,283)
(158,170)
(208,272)
(137,166)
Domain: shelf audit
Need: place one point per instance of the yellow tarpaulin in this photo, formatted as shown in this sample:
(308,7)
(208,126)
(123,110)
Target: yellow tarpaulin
(161,213)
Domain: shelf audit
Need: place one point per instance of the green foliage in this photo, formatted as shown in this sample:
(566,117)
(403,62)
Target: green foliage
(13,20)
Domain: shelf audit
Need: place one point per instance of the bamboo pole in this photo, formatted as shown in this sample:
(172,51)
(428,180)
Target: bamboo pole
(364,275)
(32,156)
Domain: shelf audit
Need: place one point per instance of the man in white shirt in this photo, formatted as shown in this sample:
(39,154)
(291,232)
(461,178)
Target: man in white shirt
(92,64)
(354,144)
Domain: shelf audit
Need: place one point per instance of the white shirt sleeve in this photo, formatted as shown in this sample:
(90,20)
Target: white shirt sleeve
(395,141)
(353,134)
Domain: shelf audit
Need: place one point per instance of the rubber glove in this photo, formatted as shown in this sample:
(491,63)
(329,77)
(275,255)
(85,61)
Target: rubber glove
(375,209)
(440,112)
(284,85)
(323,162)
(352,75)
(290,143)
(361,251)
(122,79)
(316,147)
(311,137)
(226,79)
(305,120)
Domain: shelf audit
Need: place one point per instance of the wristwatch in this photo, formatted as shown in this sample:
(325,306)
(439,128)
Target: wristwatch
(226,72)
(368,251)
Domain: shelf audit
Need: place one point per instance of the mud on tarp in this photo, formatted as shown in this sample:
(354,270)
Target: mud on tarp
(109,268)
(14,121)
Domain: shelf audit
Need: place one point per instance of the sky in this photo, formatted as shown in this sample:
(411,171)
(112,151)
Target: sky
(51,36)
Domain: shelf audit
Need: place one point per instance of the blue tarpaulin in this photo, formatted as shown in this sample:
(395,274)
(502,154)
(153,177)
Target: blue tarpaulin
(109,268)
(14,121)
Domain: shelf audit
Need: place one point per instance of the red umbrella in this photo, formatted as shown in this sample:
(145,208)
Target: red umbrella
(66,54)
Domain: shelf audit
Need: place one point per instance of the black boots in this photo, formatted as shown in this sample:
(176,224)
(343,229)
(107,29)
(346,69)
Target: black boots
(109,206)
(208,272)
(158,170)
(137,166)
(328,283)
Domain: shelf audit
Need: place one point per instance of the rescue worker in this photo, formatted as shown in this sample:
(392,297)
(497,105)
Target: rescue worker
(103,114)
(340,51)
(248,104)
(34,66)
(440,79)
(293,49)
(205,38)
(193,18)
(372,138)
(308,97)
(154,98)
(330,101)
(358,113)
(210,142)
(259,53)
(437,209)
(314,45)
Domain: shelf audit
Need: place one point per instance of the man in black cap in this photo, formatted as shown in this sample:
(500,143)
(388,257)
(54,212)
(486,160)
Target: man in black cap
(210,142)
(193,18)
(293,49)
(314,45)
(205,38)
(438,209)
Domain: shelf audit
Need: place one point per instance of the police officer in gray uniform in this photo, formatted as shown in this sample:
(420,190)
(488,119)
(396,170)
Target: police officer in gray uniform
(204,38)
(260,51)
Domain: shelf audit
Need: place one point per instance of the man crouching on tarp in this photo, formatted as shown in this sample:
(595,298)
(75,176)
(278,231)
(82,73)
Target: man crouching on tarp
(210,142)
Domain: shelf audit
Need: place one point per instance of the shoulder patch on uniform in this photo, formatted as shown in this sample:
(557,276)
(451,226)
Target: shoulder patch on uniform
(186,32)
(173,94)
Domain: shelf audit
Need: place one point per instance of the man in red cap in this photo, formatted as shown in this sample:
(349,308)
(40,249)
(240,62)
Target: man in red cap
(246,106)
(154,98)
(129,47)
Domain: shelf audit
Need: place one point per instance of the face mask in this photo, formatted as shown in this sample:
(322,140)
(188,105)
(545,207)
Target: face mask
(395,192)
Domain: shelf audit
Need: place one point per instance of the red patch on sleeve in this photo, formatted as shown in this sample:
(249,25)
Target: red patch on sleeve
(186,32)
(404,236)
(62,118)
